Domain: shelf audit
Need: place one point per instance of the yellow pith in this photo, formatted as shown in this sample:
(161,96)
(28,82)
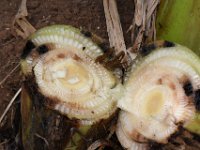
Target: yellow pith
(75,75)
(154,102)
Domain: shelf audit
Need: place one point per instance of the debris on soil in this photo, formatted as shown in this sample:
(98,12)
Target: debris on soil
(21,26)
(9,105)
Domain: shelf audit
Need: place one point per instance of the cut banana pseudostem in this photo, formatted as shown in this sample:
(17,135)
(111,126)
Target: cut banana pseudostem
(59,61)
(162,92)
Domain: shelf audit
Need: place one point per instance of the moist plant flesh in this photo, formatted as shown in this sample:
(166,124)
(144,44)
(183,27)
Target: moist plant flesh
(63,77)
(161,94)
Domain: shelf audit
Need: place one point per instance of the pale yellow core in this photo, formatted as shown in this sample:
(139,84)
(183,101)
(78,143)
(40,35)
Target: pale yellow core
(74,74)
(154,102)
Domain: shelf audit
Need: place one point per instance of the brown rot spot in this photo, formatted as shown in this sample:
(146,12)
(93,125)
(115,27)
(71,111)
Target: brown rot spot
(183,79)
(111,61)
(34,55)
(147,49)
(188,88)
(197,99)
(42,49)
(86,33)
(75,57)
(172,86)
(160,81)
(51,102)
(61,55)
(105,57)
(168,44)
(27,49)
(116,62)
(138,137)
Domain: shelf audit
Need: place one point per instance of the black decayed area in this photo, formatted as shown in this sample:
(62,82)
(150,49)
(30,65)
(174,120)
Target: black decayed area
(188,88)
(197,99)
(86,33)
(168,44)
(147,49)
(42,49)
(27,49)
(83,48)
(104,46)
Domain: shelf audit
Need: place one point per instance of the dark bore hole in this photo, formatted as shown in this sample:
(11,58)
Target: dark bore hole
(147,49)
(27,49)
(188,88)
(42,49)
(197,99)
(168,44)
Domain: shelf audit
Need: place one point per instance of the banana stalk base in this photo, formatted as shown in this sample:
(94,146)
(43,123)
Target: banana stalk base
(43,128)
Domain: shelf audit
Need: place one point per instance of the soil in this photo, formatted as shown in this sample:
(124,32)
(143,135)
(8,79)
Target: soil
(86,14)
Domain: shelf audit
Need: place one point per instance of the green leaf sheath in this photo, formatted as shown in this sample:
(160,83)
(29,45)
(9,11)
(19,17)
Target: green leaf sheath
(179,21)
